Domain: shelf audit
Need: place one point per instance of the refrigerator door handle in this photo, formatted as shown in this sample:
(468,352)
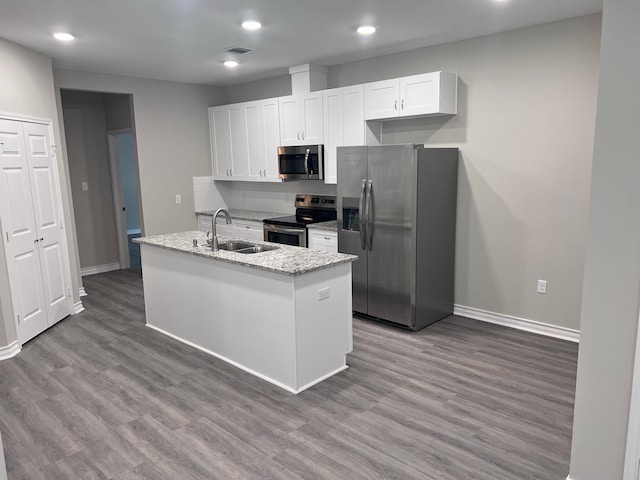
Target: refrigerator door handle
(369,208)
(361,216)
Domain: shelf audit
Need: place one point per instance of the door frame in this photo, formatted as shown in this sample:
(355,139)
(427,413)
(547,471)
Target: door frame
(118,195)
(71,307)
(632,454)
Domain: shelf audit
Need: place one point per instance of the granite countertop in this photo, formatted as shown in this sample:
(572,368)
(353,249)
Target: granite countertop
(331,225)
(250,215)
(285,259)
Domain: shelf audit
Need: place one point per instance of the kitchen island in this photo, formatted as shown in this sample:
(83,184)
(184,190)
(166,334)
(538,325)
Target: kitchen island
(283,315)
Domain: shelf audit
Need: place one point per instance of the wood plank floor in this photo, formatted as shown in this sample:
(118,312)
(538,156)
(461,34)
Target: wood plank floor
(101,396)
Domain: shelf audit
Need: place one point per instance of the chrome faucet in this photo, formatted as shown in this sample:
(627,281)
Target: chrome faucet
(214,240)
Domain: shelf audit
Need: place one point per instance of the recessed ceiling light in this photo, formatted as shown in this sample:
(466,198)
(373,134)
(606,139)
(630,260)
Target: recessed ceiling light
(367,29)
(251,25)
(63,36)
(231,63)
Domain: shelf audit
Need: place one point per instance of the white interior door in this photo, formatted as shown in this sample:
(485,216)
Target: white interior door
(48,220)
(19,233)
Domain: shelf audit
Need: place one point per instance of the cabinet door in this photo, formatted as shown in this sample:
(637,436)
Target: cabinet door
(255,141)
(239,146)
(333,131)
(420,94)
(381,99)
(48,220)
(271,123)
(353,114)
(220,143)
(290,133)
(311,114)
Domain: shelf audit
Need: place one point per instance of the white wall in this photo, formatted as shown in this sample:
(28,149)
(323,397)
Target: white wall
(611,292)
(26,88)
(525,129)
(172,136)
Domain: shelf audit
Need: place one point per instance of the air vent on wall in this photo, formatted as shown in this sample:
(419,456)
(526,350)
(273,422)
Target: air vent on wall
(238,50)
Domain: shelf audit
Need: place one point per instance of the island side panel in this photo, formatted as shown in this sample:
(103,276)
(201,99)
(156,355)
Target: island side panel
(323,325)
(244,315)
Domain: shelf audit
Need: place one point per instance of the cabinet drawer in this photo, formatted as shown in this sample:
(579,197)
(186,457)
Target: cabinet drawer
(248,230)
(323,240)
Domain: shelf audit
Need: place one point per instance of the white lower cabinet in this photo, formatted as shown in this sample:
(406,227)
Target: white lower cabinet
(248,230)
(323,239)
(245,229)
(32,228)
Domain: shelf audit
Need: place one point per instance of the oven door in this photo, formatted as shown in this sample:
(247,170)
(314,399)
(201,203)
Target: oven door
(296,236)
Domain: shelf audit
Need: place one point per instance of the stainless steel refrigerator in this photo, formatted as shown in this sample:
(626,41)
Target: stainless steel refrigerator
(397,212)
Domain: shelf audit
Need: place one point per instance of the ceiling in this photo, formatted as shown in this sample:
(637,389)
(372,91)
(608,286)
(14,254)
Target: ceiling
(184,40)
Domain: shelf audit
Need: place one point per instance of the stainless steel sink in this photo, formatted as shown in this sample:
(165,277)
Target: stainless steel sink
(244,247)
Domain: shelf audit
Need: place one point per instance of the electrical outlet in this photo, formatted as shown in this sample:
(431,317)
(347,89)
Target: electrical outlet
(178,198)
(324,293)
(542,286)
(85,186)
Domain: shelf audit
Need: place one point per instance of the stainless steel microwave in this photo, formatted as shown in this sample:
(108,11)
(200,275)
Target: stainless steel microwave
(301,162)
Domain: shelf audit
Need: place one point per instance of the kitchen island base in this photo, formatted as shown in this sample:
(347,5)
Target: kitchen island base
(291,330)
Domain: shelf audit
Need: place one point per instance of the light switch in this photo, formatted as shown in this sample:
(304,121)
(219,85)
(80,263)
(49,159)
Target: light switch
(85,186)
(178,198)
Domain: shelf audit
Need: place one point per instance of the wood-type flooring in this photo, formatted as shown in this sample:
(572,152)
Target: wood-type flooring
(99,395)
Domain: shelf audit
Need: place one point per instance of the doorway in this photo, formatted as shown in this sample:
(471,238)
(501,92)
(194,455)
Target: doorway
(124,181)
(101,148)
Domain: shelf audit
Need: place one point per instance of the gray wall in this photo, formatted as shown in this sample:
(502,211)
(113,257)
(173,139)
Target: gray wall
(26,87)
(118,111)
(525,129)
(172,137)
(612,269)
(85,129)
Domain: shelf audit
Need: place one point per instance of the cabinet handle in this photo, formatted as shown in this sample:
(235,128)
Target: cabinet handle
(402,104)
(395,105)
(327,238)
(303,135)
(298,135)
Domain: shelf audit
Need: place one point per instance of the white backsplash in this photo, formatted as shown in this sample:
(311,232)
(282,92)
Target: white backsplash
(206,195)
(264,197)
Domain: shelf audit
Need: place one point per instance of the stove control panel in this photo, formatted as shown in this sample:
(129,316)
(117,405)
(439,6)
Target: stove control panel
(304,200)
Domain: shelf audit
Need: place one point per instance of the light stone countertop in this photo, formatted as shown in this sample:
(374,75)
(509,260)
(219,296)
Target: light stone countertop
(285,259)
(330,226)
(249,215)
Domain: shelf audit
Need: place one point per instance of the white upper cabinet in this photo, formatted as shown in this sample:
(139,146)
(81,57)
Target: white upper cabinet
(343,124)
(301,119)
(426,94)
(220,130)
(239,141)
(263,132)
(244,141)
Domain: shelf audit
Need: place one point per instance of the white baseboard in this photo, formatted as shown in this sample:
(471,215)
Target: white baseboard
(82,292)
(10,351)
(109,267)
(77,308)
(519,323)
(246,369)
